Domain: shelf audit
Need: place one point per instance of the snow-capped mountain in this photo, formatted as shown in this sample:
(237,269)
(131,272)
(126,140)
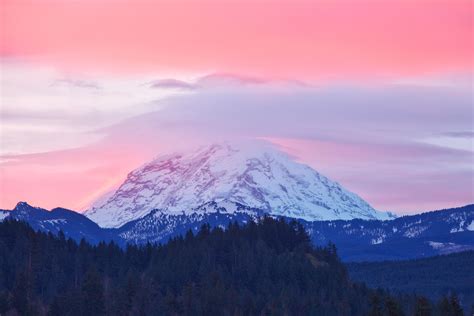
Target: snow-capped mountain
(414,236)
(254,174)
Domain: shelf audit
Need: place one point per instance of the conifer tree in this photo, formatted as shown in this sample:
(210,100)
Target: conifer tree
(422,307)
(93,294)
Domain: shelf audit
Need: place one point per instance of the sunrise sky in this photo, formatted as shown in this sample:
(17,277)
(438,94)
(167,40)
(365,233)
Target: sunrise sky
(374,94)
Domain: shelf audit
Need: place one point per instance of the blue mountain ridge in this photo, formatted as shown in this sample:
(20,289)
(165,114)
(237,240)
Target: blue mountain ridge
(415,236)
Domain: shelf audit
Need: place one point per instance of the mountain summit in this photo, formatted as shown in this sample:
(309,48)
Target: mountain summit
(251,174)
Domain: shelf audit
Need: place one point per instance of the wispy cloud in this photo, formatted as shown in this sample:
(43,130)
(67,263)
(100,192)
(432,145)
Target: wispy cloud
(214,80)
(43,109)
(171,84)
(77,83)
(373,139)
(461,134)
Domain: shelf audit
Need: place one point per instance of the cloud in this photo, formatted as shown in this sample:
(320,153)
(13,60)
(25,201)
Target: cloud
(374,139)
(43,109)
(461,134)
(384,113)
(171,84)
(371,139)
(211,81)
(228,79)
(77,83)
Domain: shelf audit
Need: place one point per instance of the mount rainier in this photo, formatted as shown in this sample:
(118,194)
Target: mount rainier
(253,174)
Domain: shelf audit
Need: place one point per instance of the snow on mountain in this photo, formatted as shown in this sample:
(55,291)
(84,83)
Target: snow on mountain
(72,224)
(3,214)
(158,226)
(253,174)
(414,236)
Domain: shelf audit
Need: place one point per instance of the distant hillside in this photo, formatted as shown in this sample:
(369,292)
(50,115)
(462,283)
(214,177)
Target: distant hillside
(415,236)
(73,224)
(408,237)
(432,277)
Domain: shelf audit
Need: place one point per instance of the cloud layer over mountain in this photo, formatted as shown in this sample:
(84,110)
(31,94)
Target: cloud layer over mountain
(401,146)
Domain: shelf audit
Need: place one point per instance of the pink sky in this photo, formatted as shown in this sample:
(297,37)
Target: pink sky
(92,89)
(286,39)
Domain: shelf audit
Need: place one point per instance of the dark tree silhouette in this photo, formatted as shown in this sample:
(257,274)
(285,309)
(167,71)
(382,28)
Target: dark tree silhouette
(268,267)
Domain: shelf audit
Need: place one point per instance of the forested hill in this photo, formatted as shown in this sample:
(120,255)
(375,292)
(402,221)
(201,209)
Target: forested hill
(269,267)
(432,277)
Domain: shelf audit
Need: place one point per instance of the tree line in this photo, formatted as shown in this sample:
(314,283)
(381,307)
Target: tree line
(267,267)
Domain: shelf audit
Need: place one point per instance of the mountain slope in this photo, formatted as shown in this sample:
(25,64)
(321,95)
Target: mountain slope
(159,226)
(74,225)
(252,174)
(415,236)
